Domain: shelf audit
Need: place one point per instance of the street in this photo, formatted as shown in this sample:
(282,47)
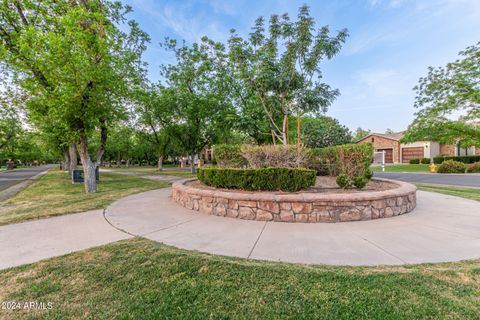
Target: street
(11,178)
(465,180)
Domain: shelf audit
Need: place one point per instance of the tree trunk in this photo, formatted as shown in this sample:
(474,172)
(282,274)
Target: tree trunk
(298,129)
(72,151)
(160,163)
(89,166)
(192,163)
(284,129)
(127,164)
(66,160)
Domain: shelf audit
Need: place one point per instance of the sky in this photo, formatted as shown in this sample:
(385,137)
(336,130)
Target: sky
(391,43)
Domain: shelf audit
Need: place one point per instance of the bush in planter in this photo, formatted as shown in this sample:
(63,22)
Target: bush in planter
(343,181)
(354,159)
(474,167)
(262,179)
(350,159)
(369,174)
(360,182)
(276,156)
(451,166)
(324,161)
(414,161)
(425,161)
(228,156)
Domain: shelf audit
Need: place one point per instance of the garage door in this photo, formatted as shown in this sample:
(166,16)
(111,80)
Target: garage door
(411,153)
(388,155)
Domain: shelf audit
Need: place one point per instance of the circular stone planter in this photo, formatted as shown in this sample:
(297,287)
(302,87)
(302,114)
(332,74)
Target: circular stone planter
(299,206)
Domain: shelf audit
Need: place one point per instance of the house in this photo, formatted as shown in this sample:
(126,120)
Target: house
(397,152)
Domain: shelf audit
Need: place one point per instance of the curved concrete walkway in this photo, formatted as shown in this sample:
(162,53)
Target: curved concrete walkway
(441,228)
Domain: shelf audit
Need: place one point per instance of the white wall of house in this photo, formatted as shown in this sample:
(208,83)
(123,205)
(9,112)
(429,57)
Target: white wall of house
(434,149)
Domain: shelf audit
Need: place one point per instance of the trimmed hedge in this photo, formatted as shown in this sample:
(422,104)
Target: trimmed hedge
(464,159)
(425,161)
(451,166)
(419,160)
(263,179)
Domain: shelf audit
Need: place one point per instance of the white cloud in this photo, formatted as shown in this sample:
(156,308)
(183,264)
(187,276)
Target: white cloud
(182,19)
(389,3)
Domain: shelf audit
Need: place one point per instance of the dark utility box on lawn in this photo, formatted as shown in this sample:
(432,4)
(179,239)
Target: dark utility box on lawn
(77,175)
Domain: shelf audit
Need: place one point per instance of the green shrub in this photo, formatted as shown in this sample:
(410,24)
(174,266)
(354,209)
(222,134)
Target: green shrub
(360,182)
(425,161)
(352,160)
(263,179)
(276,156)
(414,161)
(369,174)
(325,161)
(343,181)
(474,167)
(228,156)
(438,159)
(451,166)
(355,159)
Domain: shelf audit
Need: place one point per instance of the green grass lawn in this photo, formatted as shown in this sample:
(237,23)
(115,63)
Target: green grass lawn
(140,279)
(403,168)
(469,193)
(53,194)
(171,171)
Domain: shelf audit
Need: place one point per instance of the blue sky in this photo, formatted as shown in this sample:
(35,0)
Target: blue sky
(391,44)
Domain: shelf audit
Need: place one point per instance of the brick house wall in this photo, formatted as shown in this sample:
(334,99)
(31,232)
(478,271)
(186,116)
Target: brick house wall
(448,150)
(380,143)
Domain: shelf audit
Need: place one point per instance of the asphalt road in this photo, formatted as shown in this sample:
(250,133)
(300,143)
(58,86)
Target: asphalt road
(11,178)
(465,180)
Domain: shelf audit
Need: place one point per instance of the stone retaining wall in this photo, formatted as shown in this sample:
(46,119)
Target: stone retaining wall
(297,207)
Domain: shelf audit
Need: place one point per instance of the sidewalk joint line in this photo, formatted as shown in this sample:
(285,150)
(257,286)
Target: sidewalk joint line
(382,249)
(256,241)
(169,227)
(119,229)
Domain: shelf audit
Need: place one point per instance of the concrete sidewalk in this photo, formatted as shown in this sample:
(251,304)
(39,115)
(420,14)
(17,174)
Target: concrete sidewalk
(32,241)
(442,228)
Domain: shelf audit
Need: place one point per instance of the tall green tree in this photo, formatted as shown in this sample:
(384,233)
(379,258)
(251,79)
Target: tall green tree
(202,110)
(360,133)
(322,131)
(10,127)
(280,64)
(448,102)
(155,108)
(77,65)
